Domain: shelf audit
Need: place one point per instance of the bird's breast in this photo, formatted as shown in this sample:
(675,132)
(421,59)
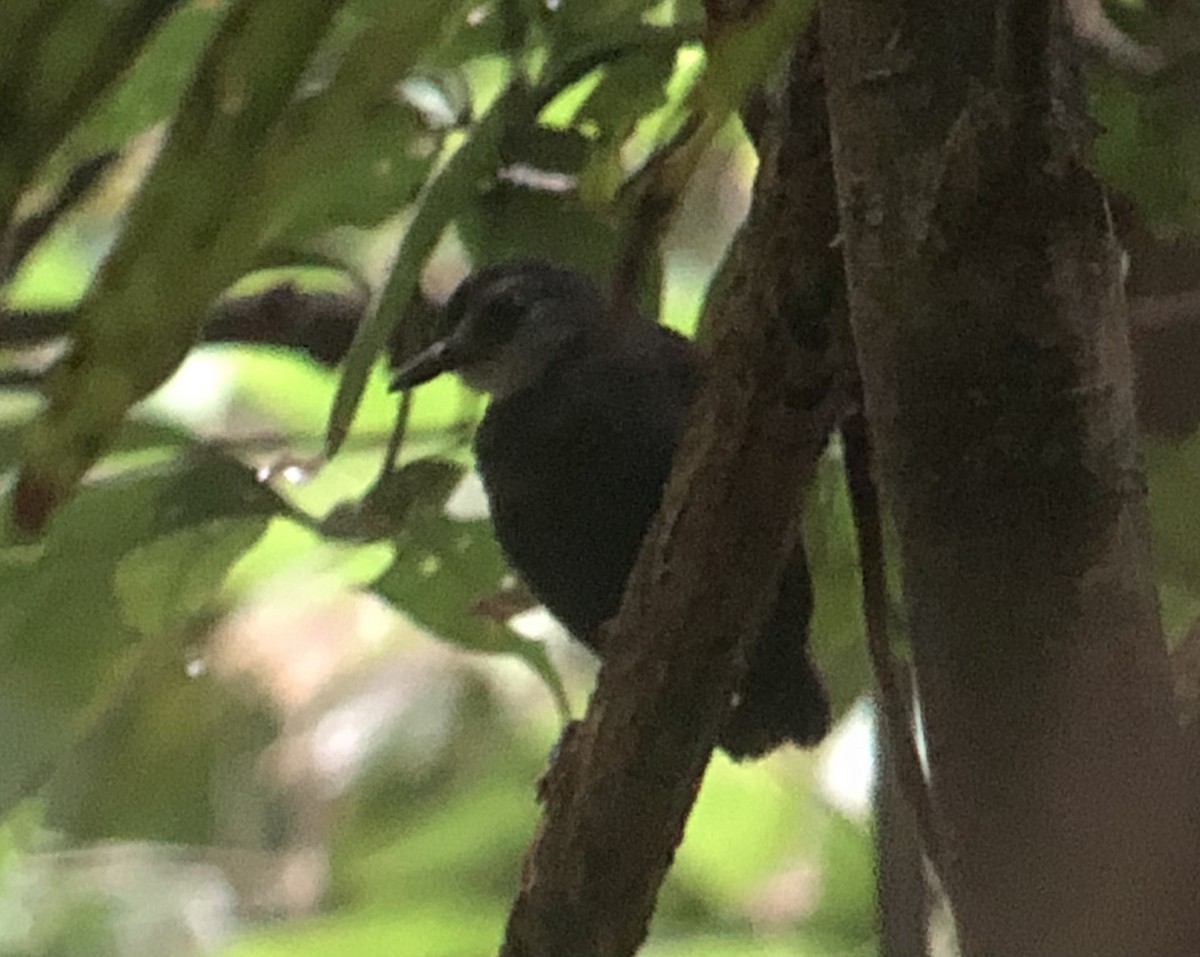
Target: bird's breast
(570,502)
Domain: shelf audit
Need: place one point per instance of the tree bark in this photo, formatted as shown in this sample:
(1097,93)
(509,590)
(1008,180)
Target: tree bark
(901,892)
(986,301)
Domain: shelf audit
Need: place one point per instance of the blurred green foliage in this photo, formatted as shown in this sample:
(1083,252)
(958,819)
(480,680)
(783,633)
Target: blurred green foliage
(154,686)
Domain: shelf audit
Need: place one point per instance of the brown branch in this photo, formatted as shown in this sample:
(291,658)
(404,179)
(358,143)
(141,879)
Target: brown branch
(903,801)
(902,892)
(317,323)
(894,698)
(320,324)
(19,378)
(29,327)
(617,797)
(648,200)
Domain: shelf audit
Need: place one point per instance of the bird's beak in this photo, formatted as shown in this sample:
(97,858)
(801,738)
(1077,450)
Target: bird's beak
(425,365)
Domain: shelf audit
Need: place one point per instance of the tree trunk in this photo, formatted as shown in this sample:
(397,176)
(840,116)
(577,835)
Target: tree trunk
(985,295)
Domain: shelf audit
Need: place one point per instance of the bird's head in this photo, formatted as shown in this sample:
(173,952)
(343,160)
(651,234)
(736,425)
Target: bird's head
(507,323)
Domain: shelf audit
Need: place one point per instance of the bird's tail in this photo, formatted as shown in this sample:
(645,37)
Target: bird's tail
(777,706)
(782,698)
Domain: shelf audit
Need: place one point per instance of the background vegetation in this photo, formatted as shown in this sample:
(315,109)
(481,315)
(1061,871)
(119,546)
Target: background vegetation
(265,685)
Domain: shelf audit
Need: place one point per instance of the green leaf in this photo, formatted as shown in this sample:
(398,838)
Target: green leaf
(150,92)
(173,578)
(1171,468)
(1150,148)
(837,629)
(546,148)
(740,58)
(475,37)
(137,435)
(629,89)
(156,766)
(593,16)
(443,568)
(450,190)
(191,232)
(510,221)
(382,156)
(379,146)
(67,648)
(55,59)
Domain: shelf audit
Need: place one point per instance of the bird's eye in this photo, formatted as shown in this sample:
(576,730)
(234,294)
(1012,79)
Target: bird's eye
(502,315)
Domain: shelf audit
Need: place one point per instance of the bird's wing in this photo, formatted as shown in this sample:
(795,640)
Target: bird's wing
(575,470)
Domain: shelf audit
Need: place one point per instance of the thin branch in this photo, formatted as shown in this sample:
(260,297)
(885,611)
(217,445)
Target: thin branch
(318,323)
(1097,32)
(396,438)
(22,237)
(895,703)
(20,378)
(650,199)
(902,893)
(31,327)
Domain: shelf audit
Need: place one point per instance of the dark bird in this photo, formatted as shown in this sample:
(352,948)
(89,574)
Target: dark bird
(574,450)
